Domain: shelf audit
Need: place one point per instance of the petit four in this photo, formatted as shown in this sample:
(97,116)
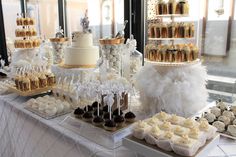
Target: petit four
(221,105)
(210,117)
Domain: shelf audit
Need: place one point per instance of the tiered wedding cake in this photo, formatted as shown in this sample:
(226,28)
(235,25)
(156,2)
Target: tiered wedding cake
(82,53)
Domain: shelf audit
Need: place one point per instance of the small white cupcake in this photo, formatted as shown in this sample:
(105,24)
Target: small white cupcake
(216,111)
(224,119)
(162,116)
(229,114)
(176,120)
(165,140)
(220,126)
(232,130)
(166,126)
(140,130)
(153,135)
(152,121)
(196,134)
(180,131)
(190,123)
(208,129)
(185,146)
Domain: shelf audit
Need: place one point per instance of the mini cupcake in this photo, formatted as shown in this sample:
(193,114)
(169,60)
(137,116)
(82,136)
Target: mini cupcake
(165,140)
(42,81)
(176,120)
(119,120)
(110,125)
(162,116)
(87,116)
(141,129)
(166,126)
(190,123)
(98,121)
(95,113)
(26,84)
(196,134)
(153,135)
(95,105)
(106,116)
(51,79)
(130,117)
(34,82)
(153,121)
(180,131)
(116,111)
(78,112)
(185,146)
(88,108)
(208,129)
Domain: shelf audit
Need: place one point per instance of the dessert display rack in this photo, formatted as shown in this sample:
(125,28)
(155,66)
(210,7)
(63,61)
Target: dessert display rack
(143,148)
(96,134)
(173,64)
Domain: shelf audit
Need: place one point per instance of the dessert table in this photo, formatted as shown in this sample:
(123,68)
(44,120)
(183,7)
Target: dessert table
(24,134)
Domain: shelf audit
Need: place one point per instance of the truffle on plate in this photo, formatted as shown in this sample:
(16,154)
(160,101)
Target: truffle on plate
(220,126)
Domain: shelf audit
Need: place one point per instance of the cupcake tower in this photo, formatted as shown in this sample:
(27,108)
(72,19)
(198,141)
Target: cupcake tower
(29,79)
(26,31)
(171,31)
(174,133)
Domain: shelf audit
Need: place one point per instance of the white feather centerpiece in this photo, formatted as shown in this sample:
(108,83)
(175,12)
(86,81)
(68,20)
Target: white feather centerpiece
(174,89)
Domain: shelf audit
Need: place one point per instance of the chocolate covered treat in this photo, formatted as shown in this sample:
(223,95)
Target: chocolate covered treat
(95,113)
(98,121)
(119,120)
(105,108)
(110,125)
(116,111)
(106,115)
(87,117)
(88,108)
(78,112)
(95,105)
(130,117)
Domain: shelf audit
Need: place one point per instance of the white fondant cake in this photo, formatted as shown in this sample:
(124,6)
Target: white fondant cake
(82,53)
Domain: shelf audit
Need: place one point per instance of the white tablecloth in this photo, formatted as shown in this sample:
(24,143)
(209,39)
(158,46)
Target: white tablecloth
(23,134)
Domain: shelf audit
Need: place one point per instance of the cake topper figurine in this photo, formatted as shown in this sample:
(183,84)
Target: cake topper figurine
(84,22)
(59,33)
(121,33)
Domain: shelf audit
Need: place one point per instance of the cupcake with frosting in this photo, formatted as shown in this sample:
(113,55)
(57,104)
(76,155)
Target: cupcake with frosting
(141,129)
(162,116)
(185,146)
(207,129)
(176,120)
(153,135)
(164,142)
(196,134)
(26,84)
(42,81)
